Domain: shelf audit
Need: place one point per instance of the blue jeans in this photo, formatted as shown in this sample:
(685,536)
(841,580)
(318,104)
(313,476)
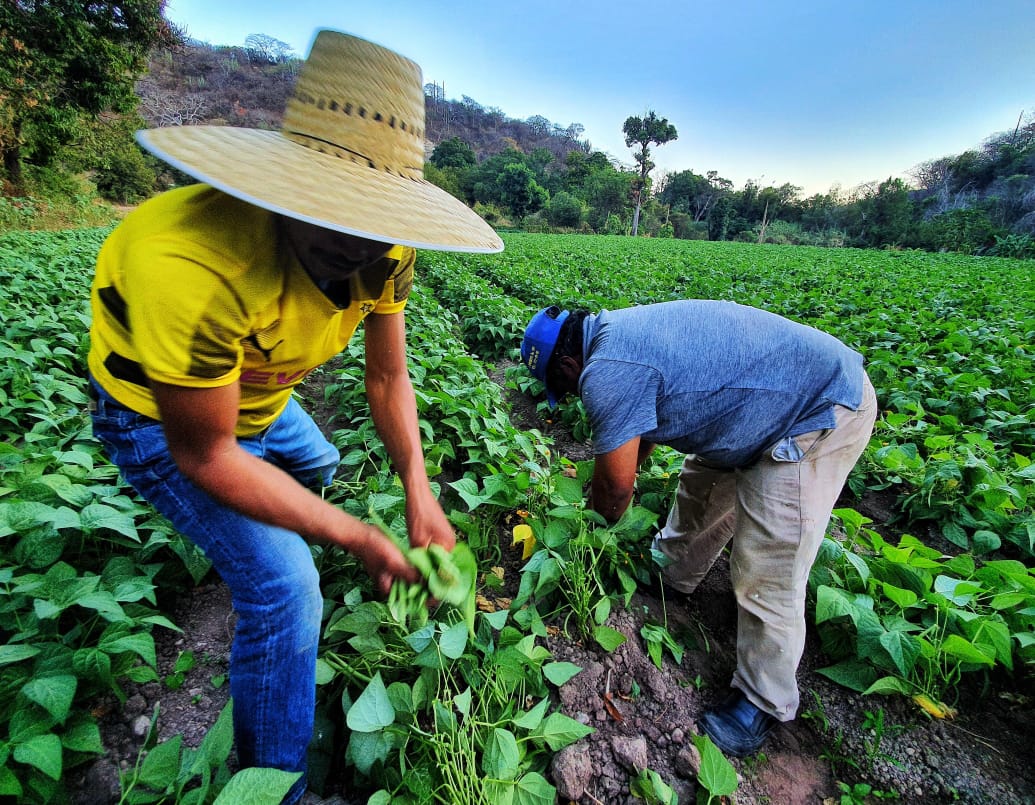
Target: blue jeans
(269,571)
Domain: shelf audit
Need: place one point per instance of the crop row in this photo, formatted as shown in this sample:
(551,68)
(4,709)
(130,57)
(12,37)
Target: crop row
(949,343)
(437,711)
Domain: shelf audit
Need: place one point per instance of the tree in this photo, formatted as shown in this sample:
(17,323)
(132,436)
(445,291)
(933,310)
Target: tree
(690,193)
(887,214)
(63,59)
(519,190)
(453,153)
(264,48)
(645,131)
(564,210)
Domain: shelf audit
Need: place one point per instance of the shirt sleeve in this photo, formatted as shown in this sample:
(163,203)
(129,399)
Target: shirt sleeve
(399,283)
(621,401)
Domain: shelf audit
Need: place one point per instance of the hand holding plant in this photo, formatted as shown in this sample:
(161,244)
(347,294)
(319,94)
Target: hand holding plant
(384,561)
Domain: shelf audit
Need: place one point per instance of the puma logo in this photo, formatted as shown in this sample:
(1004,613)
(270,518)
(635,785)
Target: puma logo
(267,352)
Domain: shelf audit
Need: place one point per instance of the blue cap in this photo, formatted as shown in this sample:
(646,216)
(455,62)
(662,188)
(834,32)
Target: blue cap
(539,342)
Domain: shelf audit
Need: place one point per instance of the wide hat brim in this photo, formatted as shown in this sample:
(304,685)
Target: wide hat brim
(267,169)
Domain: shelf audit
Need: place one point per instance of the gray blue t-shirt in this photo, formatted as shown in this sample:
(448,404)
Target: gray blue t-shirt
(717,379)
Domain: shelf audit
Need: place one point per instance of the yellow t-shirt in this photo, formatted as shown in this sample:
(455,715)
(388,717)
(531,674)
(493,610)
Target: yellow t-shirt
(191,290)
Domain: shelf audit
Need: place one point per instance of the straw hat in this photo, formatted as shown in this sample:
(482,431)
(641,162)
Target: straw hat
(349,157)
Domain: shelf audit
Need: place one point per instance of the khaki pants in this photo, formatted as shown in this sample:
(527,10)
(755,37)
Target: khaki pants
(774,515)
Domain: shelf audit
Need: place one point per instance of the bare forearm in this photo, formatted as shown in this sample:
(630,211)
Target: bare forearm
(608,501)
(394,412)
(259,490)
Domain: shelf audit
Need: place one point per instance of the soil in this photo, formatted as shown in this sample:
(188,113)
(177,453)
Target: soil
(644,717)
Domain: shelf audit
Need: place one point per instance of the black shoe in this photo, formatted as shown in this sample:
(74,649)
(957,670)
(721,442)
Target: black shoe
(737,727)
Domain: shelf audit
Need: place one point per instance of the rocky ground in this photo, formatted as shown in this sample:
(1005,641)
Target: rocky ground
(644,717)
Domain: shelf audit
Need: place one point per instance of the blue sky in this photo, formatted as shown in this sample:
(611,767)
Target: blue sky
(814,92)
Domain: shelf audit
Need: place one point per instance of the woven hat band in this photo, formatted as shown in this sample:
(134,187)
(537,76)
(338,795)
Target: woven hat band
(354,92)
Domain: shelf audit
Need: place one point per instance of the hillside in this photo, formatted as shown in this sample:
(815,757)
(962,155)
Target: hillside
(198,83)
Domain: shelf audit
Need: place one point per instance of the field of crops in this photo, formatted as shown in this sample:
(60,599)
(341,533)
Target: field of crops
(442,713)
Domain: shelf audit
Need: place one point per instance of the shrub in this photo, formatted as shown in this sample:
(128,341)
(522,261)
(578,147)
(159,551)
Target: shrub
(564,210)
(1019,246)
(964,230)
(615,226)
(125,177)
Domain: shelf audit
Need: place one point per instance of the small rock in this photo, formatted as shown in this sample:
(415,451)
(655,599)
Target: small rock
(140,726)
(687,763)
(678,736)
(631,753)
(135,705)
(572,771)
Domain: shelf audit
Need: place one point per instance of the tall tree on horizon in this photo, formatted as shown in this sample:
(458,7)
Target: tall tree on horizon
(645,131)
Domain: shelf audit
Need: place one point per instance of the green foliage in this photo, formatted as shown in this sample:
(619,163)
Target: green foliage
(61,61)
(519,191)
(171,772)
(906,619)
(453,153)
(717,775)
(565,210)
(126,177)
(79,611)
(650,787)
(1019,246)
(964,230)
(644,132)
(450,705)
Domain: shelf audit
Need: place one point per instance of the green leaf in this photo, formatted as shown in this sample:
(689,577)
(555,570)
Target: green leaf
(889,684)
(957,591)
(502,758)
(143,645)
(716,774)
(903,649)
(965,651)
(16,652)
(852,674)
(454,640)
(258,786)
(53,693)
(533,718)
(325,672)
(533,789)
(467,488)
(42,752)
(367,748)
(162,764)
(9,785)
(373,710)
(97,517)
(218,741)
(560,730)
(84,737)
(560,672)
(608,638)
(901,597)
(104,603)
(832,603)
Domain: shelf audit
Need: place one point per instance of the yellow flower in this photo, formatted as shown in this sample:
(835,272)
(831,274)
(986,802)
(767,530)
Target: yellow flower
(523,534)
